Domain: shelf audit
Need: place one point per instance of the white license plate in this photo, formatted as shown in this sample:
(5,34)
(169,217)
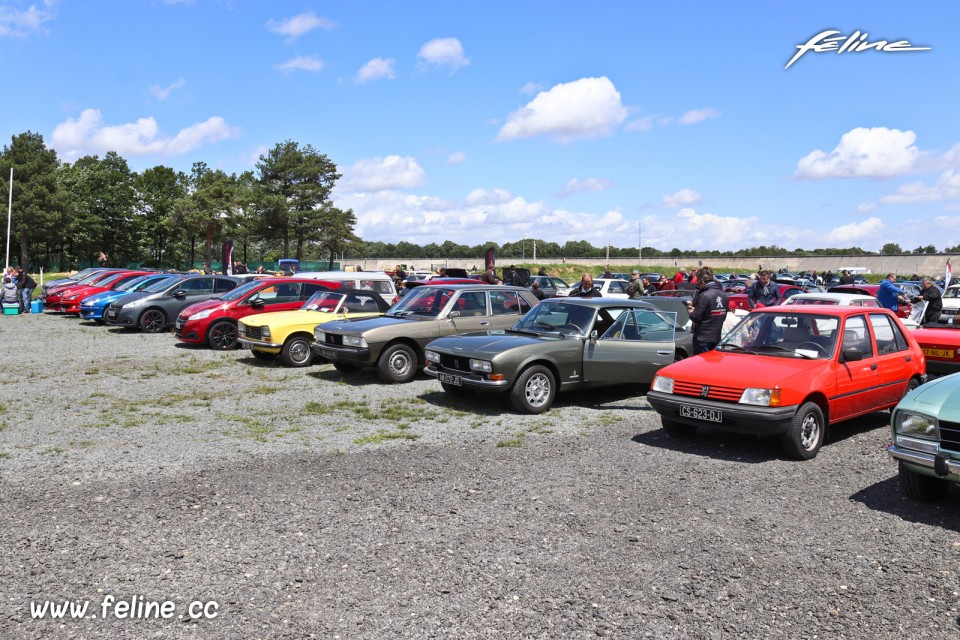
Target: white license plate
(699,413)
(329,354)
(179,325)
(449,379)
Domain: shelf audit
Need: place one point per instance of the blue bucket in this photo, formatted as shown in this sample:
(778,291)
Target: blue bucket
(36,306)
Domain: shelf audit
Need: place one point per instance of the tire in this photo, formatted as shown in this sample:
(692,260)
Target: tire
(913,384)
(677,430)
(397,364)
(153,321)
(534,391)
(344,367)
(263,355)
(920,487)
(454,390)
(222,335)
(296,352)
(804,438)
(679,355)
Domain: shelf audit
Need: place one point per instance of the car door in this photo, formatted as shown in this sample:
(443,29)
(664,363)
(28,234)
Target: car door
(282,296)
(857,380)
(894,359)
(467,312)
(192,289)
(632,349)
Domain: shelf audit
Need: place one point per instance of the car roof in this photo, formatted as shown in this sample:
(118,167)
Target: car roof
(832,295)
(473,287)
(823,309)
(601,302)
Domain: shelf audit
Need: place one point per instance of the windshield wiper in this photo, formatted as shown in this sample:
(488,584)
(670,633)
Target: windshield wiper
(548,327)
(399,314)
(737,347)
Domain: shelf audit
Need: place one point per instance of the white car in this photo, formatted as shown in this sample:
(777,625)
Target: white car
(612,287)
(845,299)
(951,303)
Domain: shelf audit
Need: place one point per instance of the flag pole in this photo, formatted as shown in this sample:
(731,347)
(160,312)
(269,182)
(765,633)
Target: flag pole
(9,215)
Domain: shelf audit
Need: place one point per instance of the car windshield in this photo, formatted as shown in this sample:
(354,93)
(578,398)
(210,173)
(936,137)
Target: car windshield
(162,285)
(324,301)
(813,301)
(422,301)
(240,291)
(557,318)
(784,335)
(141,283)
(127,286)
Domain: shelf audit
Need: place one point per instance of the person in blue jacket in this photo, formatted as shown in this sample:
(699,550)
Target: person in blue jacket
(889,293)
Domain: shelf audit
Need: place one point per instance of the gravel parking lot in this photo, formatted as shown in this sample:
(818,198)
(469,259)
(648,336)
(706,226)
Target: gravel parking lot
(309,504)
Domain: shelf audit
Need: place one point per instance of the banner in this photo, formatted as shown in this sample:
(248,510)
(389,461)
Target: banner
(490,258)
(948,275)
(226,261)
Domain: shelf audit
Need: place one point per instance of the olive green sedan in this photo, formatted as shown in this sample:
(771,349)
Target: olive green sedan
(562,344)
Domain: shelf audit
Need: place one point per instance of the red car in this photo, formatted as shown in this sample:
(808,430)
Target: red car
(791,372)
(903,310)
(214,321)
(70,299)
(55,294)
(739,300)
(941,345)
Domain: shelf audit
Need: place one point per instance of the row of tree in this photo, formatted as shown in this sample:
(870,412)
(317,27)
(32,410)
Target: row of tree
(64,214)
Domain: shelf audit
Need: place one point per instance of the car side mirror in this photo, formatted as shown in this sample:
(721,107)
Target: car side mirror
(179,294)
(256,302)
(453,314)
(593,336)
(851,355)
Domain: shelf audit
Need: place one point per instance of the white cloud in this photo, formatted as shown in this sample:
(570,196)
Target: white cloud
(379,174)
(582,109)
(641,124)
(947,187)
(446,53)
(299,24)
(864,209)
(863,153)
(300,63)
(854,232)
(162,93)
(375,69)
(698,115)
(457,157)
(531,88)
(87,135)
(21,23)
(682,198)
(589,185)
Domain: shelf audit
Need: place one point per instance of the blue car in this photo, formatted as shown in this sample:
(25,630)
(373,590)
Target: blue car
(92,308)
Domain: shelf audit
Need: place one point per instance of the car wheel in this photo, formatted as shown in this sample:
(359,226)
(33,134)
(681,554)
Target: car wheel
(534,390)
(679,355)
(920,487)
(913,384)
(397,364)
(676,429)
(296,352)
(222,336)
(803,439)
(263,355)
(454,390)
(153,321)
(343,367)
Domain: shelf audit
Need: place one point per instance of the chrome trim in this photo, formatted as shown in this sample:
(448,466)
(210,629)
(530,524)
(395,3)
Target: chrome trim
(471,382)
(922,459)
(250,344)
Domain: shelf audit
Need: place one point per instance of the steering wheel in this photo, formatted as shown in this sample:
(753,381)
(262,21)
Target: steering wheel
(571,326)
(815,345)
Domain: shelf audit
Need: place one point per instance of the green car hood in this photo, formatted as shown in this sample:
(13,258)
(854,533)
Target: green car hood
(940,398)
(485,345)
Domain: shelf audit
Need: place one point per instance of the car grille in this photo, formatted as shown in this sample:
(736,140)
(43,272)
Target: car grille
(334,339)
(950,436)
(178,327)
(112,312)
(253,333)
(714,392)
(455,363)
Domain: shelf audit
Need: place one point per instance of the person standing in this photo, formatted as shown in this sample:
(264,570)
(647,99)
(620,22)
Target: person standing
(25,286)
(763,292)
(846,278)
(635,287)
(888,295)
(102,259)
(649,288)
(708,310)
(542,272)
(585,288)
(930,295)
(511,277)
(490,276)
(535,290)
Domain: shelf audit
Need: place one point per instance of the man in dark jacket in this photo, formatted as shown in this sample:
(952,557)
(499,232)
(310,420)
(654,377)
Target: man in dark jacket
(931,295)
(763,292)
(26,285)
(585,288)
(707,311)
(846,278)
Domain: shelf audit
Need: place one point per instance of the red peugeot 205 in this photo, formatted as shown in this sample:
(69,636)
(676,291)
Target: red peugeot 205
(790,371)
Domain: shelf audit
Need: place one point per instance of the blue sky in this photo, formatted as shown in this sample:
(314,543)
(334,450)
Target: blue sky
(477,121)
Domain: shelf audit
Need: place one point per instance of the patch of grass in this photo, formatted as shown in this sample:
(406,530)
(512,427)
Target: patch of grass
(4,425)
(385,436)
(516,441)
(53,451)
(196,396)
(202,367)
(3,407)
(539,429)
(264,389)
(92,371)
(4,454)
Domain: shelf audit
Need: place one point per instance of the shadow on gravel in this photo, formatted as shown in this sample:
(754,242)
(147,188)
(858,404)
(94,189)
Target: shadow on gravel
(887,497)
(367,375)
(190,346)
(496,404)
(253,361)
(88,323)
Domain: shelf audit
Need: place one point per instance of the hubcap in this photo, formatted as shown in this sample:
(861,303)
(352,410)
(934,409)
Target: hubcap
(537,390)
(809,432)
(299,351)
(224,336)
(153,321)
(399,363)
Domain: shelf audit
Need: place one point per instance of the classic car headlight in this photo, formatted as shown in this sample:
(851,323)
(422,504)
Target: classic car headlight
(265,332)
(480,365)
(354,341)
(662,384)
(241,329)
(319,335)
(432,356)
(915,424)
(202,315)
(761,397)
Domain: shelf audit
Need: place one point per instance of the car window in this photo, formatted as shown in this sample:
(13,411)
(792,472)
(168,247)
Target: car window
(361,304)
(886,334)
(310,288)
(223,285)
(618,286)
(471,303)
(558,283)
(278,293)
(506,303)
(855,336)
(197,285)
(569,319)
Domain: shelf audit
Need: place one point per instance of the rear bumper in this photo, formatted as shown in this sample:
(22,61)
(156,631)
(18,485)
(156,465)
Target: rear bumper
(737,418)
(939,465)
(942,368)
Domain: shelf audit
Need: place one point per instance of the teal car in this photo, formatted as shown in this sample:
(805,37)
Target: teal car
(926,438)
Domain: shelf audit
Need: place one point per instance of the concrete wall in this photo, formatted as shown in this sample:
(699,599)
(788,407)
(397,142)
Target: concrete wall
(906,264)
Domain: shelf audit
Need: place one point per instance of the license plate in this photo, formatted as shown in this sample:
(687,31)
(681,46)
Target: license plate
(112,314)
(449,379)
(699,413)
(940,353)
(329,354)
(949,312)
(179,325)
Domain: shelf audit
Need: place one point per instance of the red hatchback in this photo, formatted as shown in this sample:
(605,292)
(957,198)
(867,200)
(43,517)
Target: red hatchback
(739,300)
(70,299)
(941,345)
(903,309)
(790,371)
(54,296)
(214,321)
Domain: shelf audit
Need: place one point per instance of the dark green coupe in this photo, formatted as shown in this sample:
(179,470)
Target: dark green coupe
(561,344)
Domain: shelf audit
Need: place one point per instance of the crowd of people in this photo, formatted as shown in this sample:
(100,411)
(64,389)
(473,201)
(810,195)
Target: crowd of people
(17,288)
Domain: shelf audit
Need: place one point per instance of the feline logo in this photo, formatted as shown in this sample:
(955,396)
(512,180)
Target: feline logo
(830,40)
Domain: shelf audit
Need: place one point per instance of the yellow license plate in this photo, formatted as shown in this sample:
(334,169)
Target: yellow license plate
(939,353)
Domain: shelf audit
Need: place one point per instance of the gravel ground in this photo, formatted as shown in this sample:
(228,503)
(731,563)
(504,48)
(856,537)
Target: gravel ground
(308,504)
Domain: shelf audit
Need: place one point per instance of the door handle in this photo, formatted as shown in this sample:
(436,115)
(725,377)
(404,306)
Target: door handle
(873,367)
(664,352)
(909,358)
(484,322)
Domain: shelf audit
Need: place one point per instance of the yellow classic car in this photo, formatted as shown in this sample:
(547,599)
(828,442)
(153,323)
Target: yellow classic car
(289,333)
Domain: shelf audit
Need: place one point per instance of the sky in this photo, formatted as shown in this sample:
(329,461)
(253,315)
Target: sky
(674,124)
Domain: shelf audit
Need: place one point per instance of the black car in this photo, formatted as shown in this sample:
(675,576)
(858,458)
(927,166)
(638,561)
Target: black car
(155,308)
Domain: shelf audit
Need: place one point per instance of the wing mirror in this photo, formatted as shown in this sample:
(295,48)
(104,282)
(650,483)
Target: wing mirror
(256,302)
(453,314)
(593,337)
(179,294)
(851,355)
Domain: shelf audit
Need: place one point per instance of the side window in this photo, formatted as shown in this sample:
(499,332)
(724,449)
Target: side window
(361,304)
(471,303)
(309,289)
(655,327)
(382,286)
(507,303)
(855,336)
(279,293)
(223,285)
(624,328)
(524,305)
(197,285)
(889,337)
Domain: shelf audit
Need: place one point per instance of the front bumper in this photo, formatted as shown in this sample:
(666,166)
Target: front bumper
(258,344)
(91,313)
(737,418)
(473,380)
(122,318)
(939,465)
(349,355)
(187,331)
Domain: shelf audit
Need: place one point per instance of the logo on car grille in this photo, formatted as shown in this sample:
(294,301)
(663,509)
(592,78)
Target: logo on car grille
(704,391)
(456,364)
